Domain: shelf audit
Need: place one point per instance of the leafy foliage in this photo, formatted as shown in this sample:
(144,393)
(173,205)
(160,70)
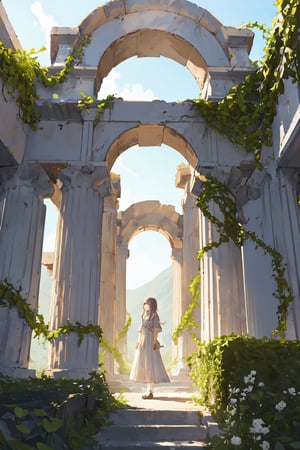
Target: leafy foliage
(188,321)
(12,298)
(123,365)
(45,419)
(246,114)
(86,102)
(230,228)
(249,398)
(20,72)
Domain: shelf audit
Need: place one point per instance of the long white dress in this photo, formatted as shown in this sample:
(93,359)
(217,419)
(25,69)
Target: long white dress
(148,366)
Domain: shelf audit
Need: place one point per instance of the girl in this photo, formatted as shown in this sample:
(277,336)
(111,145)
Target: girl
(148,366)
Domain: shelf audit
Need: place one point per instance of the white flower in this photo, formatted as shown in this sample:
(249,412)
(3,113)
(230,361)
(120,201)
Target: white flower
(250,378)
(280,406)
(258,427)
(235,440)
(233,401)
(261,384)
(265,445)
(292,391)
(235,390)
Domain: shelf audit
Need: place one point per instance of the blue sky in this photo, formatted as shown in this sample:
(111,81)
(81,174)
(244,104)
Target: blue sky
(146,173)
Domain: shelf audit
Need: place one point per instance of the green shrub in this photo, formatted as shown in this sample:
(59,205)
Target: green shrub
(46,413)
(252,386)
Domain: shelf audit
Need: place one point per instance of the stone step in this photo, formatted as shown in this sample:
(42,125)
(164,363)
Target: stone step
(146,445)
(153,417)
(148,429)
(153,433)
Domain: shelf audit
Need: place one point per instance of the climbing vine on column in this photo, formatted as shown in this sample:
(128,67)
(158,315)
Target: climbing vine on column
(231,228)
(246,116)
(12,298)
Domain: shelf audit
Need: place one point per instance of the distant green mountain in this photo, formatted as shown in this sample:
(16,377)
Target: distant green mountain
(161,288)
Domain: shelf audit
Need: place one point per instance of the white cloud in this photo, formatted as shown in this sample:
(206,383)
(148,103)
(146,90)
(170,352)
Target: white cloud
(136,91)
(45,22)
(131,91)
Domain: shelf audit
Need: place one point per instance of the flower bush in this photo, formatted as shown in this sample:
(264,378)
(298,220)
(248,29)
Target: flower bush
(257,418)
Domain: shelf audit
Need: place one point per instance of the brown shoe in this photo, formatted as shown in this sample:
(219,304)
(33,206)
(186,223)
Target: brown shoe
(147,396)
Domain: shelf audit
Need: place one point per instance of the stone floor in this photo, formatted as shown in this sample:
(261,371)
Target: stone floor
(172,419)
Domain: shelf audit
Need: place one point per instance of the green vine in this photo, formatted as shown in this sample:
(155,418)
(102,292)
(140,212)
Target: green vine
(86,102)
(246,114)
(188,321)
(12,298)
(231,228)
(20,71)
(123,365)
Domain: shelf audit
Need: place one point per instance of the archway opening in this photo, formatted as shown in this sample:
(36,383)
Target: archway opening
(159,286)
(149,174)
(148,79)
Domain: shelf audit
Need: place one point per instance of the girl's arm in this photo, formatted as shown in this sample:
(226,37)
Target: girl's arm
(155,333)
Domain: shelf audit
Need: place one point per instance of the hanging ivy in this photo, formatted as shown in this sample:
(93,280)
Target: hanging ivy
(86,102)
(12,298)
(124,367)
(229,228)
(246,114)
(188,321)
(20,71)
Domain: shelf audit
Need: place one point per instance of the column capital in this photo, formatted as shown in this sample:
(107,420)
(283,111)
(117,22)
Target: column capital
(30,175)
(88,176)
(235,178)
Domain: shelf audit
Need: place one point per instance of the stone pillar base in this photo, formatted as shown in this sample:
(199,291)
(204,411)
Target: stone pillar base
(17,372)
(74,374)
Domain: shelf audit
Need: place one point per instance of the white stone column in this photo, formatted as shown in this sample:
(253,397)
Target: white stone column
(107,303)
(190,247)
(257,265)
(177,349)
(288,238)
(21,239)
(222,292)
(120,312)
(76,271)
(274,217)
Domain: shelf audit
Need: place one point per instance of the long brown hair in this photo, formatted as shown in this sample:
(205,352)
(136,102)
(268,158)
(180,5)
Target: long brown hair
(152,302)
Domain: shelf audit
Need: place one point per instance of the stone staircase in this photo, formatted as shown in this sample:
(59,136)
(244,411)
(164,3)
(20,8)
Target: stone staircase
(171,420)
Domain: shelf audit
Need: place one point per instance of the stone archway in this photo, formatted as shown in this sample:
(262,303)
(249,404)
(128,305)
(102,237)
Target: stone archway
(140,217)
(70,153)
(189,35)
